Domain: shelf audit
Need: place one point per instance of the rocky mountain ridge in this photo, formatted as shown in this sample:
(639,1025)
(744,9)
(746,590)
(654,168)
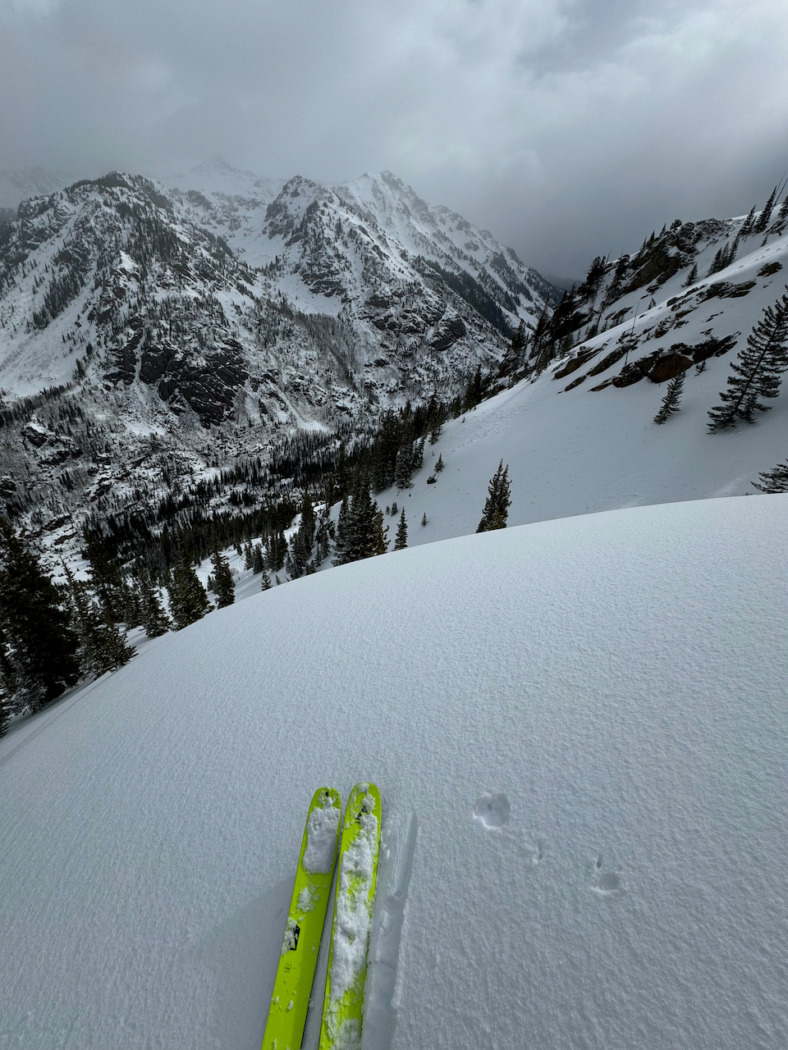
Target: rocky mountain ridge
(147,330)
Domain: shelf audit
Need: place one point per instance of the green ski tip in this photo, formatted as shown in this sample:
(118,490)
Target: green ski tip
(284,1029)
(347,961)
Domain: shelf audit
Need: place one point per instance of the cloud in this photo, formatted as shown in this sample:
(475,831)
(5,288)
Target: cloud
(566,126)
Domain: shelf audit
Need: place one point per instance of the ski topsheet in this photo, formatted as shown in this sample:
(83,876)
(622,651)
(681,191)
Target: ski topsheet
(305,921)
(355,893)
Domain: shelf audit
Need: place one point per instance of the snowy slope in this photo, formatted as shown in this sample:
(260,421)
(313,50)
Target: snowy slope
(579,732)
(573,451)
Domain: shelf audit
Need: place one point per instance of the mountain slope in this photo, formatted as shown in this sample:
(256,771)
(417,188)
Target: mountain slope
(577,447)
(577,727)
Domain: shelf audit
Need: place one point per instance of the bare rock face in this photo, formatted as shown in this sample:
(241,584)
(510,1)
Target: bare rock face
(667,366)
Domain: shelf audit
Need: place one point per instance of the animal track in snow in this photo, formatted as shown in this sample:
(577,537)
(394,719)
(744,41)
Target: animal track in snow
(605,883)
(492,810)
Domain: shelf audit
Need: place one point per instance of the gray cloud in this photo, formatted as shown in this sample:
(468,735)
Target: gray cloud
(568,127)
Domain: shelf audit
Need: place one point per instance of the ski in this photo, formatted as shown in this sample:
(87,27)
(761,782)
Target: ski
(347,958)
(305,921)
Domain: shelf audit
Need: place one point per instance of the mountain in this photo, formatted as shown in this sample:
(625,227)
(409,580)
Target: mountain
(151,331)
(577,728)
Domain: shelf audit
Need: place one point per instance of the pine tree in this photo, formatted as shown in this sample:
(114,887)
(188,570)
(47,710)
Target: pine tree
(102,647)
(39,648)
(258,563)
(496,507)
(775,480)
(766,213)
(440,464)
(132,610)
(105,575)
(692,276)
(670,402)
(362,536)
(403,468)
(342,533)
(154,619)
(758,372)
(381,534)
(748,224)
(223,583)
(401,539)
(474,391)
(266,581)
(188,600)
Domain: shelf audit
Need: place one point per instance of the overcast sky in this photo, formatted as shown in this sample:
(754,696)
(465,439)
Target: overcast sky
(569,128)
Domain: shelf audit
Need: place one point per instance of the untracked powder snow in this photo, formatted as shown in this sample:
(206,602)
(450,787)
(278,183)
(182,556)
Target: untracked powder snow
(579,731)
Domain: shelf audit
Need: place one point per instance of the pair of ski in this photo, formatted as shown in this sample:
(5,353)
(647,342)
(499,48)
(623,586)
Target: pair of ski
(347,959)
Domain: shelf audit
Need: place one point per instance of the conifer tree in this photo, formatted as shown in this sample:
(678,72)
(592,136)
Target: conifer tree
(223,583)
(188,600)
(748,224)
(132,610)
(342,533)
(105,575)
(474,390)
(266,581)
(403,469)
(258,564)
(401,539)
(757,371)
(670,402)
(102,647)
(307,519)
(440,464)
(496,507)
(39,648)
(154,619)
(766,213)
(381,534)
(692,276)
(362,535)
(775,480)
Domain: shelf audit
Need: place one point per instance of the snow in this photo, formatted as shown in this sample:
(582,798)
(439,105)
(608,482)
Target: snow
(321,838)
(578,728)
